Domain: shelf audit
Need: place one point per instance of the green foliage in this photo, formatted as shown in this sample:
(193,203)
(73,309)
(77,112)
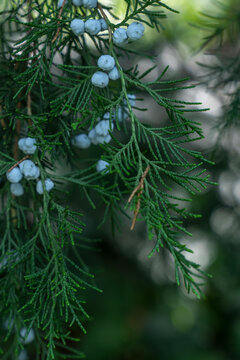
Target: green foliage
(46,88)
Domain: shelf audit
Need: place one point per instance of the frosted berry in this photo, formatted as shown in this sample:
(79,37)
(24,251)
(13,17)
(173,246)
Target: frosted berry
(77,26)
(23,355)
(27,145)
(81,141)
(122,113)
(103,24)
(120,36)
(106,62)
(48,186)
(16,189)
(92,136)
(92,26)
(131,98)
(102,165)
(29,170)
(103,127)
(135,31)
(106,116)
(114,74)
(14,176)
(30,337)
(77,2)
(60,3)
(100,79)
(89,4)
(101,139)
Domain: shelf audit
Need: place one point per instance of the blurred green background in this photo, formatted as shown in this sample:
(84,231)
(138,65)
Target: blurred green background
(142,314)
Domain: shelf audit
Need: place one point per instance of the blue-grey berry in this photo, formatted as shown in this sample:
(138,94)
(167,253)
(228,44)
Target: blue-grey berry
(104,25)
(81,141)
(23,355)
(77,2)
(89,4)
(120,36)
(92,26)
(30,335)
(102,165)
(17,189)
(135,31)
(29,170)
(106,116)
(101,139)
(103,127)
(60,3)
(27,145)
(114,74)
(77,26)
(106,62)
(122,113)
(92,136)
(49,184)
(131,98)
(14,176)
(100,79)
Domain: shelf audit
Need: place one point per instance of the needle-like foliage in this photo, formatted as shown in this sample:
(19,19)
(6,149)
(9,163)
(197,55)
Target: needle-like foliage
(46,93)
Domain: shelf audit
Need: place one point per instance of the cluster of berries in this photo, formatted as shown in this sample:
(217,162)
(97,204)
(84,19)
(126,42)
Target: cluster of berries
(100,78)
(134,31)
(27,169)
(89,4)
(100,133)
(91,26)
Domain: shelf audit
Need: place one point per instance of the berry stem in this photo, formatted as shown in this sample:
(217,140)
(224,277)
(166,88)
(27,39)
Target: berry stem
(29,107)
(19,162)
(107,21)
(59,17)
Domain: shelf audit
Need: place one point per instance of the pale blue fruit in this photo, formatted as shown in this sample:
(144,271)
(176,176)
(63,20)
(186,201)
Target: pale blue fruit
(100,79)
(77,26)
(135,31)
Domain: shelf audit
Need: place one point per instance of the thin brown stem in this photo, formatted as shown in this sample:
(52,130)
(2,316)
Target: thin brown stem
(19,162)
(29,107)
(2,121)
(107,20)
(138,190)
(59,27)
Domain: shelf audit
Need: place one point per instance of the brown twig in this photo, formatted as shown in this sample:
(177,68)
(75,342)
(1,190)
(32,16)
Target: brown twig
(139,190)
(29,107)
(3,123)
(59,17)
(105,18)
(19,162)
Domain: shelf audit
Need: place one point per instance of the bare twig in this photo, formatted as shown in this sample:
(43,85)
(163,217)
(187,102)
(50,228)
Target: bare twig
(59,17)
(19,162)
(29,107)
(105,18)
(2,121)
(138,190)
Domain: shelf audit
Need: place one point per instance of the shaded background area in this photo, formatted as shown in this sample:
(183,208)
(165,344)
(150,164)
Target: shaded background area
(142,314)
